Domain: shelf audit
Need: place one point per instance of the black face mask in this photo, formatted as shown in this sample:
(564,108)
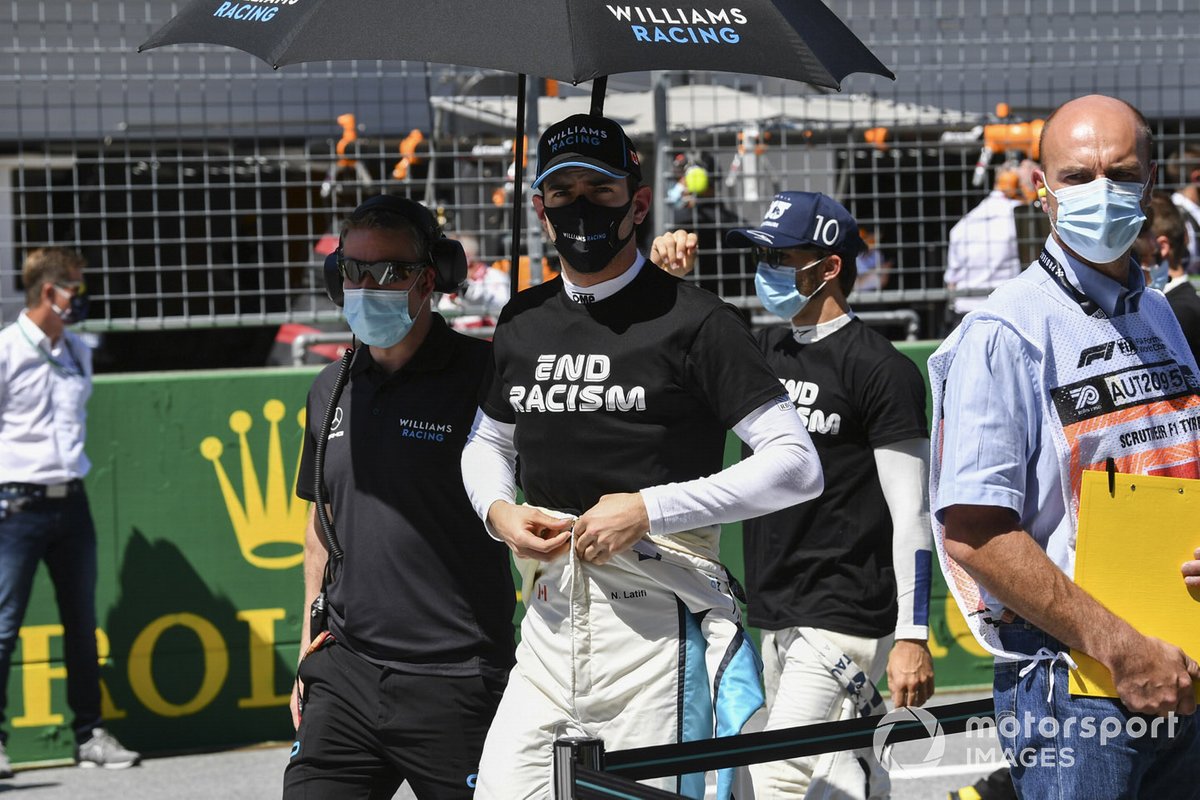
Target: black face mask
(586,234)
(75,311)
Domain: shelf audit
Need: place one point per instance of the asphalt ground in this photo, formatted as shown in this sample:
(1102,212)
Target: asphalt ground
(256,773)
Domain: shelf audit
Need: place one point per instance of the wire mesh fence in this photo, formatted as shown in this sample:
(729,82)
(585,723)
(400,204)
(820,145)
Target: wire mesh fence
(204,187)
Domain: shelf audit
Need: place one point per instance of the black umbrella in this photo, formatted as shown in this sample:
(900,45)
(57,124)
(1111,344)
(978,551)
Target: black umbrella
(571,40)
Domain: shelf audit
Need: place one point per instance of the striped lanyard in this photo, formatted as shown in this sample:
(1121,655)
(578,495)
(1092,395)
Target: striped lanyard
(65,370)
(1056,271)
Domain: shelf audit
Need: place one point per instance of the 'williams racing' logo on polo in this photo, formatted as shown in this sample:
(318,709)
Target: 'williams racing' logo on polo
(697,26)
(579,384)
(425,430)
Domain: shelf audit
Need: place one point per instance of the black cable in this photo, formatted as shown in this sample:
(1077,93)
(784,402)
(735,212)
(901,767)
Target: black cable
(514,277)
(331,542)
(318,612)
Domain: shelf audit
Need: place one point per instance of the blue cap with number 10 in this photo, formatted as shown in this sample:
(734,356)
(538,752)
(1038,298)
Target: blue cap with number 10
(803,219)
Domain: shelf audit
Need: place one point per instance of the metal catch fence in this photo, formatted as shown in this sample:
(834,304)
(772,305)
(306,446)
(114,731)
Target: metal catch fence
(204,188)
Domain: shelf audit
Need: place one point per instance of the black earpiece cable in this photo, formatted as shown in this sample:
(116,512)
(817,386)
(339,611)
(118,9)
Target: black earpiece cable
(319,608)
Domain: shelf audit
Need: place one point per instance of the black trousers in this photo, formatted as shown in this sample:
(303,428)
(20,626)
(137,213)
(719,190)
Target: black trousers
(367,729)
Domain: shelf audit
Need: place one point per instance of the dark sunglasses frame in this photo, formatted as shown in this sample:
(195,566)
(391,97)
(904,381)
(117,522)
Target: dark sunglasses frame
(384,272)
(774,256)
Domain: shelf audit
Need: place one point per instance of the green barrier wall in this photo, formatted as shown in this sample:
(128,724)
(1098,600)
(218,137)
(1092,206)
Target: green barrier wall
(200,544)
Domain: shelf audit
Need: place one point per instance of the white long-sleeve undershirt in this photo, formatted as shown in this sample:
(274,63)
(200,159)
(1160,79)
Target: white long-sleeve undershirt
(904,477)
(783,471)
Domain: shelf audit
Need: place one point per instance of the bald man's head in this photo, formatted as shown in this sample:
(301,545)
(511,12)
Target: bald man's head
(1077,122)
(1101,147)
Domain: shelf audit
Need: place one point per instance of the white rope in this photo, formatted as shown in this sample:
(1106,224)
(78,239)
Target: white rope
(1046,654)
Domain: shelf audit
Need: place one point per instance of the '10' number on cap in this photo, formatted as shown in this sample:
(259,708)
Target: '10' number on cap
(827,230)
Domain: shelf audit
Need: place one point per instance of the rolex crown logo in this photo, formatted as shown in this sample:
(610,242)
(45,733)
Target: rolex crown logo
(269,528)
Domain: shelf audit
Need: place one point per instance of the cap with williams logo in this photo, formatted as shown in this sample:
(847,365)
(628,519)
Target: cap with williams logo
(803,219)
(586,140)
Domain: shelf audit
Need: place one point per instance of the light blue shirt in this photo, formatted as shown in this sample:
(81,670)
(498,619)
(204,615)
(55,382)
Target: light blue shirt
(997,445)
(44,389)
(1114,298)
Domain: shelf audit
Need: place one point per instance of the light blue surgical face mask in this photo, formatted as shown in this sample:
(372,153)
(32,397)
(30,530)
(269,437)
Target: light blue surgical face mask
(776,288)
(378,317)
(1160,275)
(1099,220)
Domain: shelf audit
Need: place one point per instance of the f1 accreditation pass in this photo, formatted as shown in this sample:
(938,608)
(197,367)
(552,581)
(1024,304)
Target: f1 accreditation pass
(1137,405)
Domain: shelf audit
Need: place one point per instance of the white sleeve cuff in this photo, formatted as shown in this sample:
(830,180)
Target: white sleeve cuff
(918,632)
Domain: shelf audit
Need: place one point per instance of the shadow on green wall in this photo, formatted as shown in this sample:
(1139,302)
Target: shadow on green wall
(165,614)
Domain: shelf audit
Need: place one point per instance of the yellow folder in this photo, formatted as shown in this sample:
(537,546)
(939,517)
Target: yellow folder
(1132,542)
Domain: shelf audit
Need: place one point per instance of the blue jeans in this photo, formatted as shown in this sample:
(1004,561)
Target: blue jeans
(1057,755)
(61,533)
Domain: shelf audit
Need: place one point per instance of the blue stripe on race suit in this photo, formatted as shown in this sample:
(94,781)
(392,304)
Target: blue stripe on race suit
(921,589)
(697,701)
(739,695)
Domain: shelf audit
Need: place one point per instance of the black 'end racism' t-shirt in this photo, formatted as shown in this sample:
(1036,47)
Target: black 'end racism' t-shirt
(631,391)
(827,563)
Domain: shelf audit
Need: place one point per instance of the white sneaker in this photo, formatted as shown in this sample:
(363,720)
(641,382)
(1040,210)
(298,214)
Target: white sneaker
(5,764)
(103,750)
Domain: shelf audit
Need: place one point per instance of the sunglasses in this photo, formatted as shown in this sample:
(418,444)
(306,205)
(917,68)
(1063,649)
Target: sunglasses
(778,258)
(384,272)
(79,287)
(775,257)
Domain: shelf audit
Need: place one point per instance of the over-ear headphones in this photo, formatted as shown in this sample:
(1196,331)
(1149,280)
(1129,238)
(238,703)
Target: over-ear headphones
(446,255)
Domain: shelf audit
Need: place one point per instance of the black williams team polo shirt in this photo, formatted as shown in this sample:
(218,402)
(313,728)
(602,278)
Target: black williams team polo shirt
(422,588)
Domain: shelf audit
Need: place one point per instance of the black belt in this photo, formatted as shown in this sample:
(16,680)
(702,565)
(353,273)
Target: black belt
(38,491)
